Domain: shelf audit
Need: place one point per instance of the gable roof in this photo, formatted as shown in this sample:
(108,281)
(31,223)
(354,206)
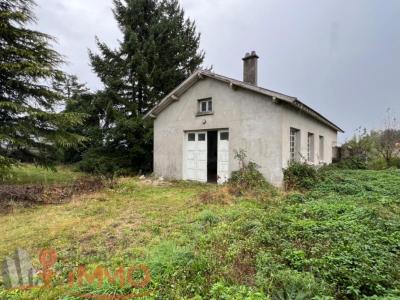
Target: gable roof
(233,83)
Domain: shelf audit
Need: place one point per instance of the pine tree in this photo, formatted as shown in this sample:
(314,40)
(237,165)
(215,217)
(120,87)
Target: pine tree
(30,129)
(70,87)
(79,99)
(159,49)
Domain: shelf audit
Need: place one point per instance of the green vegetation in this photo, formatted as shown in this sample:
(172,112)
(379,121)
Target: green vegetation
(30,129)
(300,175)
(375,150)
(158,50)
(248,179)
(339,240)
(104,130)
(31,174)
(336,235)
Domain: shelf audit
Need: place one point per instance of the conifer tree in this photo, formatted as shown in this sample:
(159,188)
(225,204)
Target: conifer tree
(30,128)
(159,49)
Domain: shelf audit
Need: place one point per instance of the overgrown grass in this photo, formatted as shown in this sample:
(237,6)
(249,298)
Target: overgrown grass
(340,240)
(31,174)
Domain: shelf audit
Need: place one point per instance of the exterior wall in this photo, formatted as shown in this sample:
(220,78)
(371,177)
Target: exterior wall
(254,123)
(306,124)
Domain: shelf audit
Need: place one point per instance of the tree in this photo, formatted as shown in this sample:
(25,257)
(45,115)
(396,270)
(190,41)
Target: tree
(389,139)
(30,128)
(79,99)
(159,49)
(359,150)
(69,86)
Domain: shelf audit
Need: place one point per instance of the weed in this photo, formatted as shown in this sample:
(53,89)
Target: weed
(337,240)
(300,175)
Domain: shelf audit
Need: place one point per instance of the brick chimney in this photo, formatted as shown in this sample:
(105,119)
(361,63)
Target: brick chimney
(250,66)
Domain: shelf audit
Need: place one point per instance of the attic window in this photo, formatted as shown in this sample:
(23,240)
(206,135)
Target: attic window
(205,105)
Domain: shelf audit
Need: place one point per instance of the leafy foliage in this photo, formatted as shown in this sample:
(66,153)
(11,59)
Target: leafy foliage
(6,165)
(30,129)
(338,240)
(220,291)
(300,175)
(80,100)
(247,178)
(376,150)
(159,49)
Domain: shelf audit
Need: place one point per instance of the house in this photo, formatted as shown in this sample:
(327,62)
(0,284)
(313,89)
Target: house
(202,122)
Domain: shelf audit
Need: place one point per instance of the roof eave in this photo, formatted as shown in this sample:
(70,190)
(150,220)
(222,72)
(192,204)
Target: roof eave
(200,74)
(316,115)
(174,95)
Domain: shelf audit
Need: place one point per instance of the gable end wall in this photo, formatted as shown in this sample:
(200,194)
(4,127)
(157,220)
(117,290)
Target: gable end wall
(253,120)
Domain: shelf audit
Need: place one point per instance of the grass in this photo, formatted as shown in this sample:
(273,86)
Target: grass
(338,241)
(30,174)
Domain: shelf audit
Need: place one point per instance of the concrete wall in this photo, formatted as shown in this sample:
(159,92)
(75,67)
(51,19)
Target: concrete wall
(255,123)
(253,120)
(300,120)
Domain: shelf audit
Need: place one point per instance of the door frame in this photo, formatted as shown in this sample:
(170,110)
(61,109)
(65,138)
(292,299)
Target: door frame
(184,148)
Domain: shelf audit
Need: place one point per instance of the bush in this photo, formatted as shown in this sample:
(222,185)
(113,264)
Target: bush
(299,176)
(97,162)
(382,164)
(395,163)
(352,163)
(247,178)
(377,164)
(5,167)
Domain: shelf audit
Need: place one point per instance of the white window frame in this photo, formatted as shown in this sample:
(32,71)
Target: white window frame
(294,144)
(310,147)
(208,106)
(321,148)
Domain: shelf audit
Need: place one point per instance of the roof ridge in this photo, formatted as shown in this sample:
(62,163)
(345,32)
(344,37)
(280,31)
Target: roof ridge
(198,74)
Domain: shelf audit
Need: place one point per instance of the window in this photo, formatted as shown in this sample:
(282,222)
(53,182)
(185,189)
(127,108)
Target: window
(191,137)
(224,136)
(310,147)
(202,136)
(205,105)
(321,148)
(294,144)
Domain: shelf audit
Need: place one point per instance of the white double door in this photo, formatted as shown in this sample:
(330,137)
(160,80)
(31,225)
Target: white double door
(195,156)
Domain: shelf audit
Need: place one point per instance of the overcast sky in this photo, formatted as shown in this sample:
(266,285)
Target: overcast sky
(341,57)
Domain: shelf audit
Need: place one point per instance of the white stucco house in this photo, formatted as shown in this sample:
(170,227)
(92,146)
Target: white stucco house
(200,124)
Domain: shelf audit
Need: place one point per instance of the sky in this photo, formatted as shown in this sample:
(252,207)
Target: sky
(341,57)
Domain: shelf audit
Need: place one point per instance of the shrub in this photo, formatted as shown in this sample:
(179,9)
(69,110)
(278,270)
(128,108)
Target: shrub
(381,164)
(377,164)
(5,167)
(395,163)
(247,178)
(352,163)
(299,176)
(96,161)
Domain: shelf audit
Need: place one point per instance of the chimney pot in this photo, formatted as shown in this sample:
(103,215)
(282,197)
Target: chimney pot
(250,68)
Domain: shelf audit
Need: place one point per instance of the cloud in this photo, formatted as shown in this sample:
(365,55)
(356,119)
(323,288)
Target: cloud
(340,57)
(74,24)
